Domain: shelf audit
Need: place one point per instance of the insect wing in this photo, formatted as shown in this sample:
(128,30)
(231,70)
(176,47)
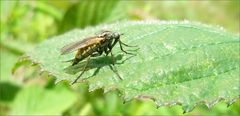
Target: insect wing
(80,44)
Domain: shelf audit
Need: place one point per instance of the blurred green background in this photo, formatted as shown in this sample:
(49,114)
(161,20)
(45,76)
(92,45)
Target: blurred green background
(25,23)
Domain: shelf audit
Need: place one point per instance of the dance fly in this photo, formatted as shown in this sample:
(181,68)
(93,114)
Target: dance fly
(94,46)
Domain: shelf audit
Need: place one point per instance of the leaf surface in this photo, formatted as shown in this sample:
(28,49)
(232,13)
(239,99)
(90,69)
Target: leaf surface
(38,100)
(177,63)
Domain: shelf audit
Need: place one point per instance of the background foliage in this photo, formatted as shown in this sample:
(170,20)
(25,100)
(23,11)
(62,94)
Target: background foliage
(27,23)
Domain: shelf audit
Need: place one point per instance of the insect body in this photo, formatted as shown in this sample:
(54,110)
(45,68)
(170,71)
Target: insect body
(94,46)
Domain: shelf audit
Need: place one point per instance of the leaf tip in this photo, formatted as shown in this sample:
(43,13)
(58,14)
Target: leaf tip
(21,61)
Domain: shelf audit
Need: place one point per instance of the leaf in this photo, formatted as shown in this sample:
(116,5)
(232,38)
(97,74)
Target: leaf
(6,8)
(87,13)
(35,100)
(16,46)
(7,61)
(8,92)
(178,63)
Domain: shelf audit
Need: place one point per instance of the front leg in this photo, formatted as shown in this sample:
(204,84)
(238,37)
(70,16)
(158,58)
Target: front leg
(113,59)
(124,50)
(107,50)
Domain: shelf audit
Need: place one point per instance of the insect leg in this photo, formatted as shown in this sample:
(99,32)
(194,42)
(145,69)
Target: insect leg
(126,44)
(75,61)
(115,69)
(120,43)
(84,69)
(113,59)
(77,57)
(107,51)
(110,46)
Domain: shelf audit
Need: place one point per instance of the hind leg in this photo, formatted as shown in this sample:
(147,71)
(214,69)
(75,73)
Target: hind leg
(84,69)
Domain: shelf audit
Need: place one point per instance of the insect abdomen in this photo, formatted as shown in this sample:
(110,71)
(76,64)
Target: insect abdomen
(77,57)
(84,53)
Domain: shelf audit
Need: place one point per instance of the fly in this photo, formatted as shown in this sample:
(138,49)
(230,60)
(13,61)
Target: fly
(93,47)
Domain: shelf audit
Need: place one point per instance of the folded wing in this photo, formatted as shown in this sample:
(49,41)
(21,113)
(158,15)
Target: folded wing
(80,44)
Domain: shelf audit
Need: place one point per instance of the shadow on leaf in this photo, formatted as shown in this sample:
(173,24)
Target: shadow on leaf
(97,63)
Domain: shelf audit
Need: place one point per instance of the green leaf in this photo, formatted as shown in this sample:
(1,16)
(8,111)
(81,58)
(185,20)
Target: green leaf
(8,92)
(35,100)
(91,12)
(177,63)
(7,61)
